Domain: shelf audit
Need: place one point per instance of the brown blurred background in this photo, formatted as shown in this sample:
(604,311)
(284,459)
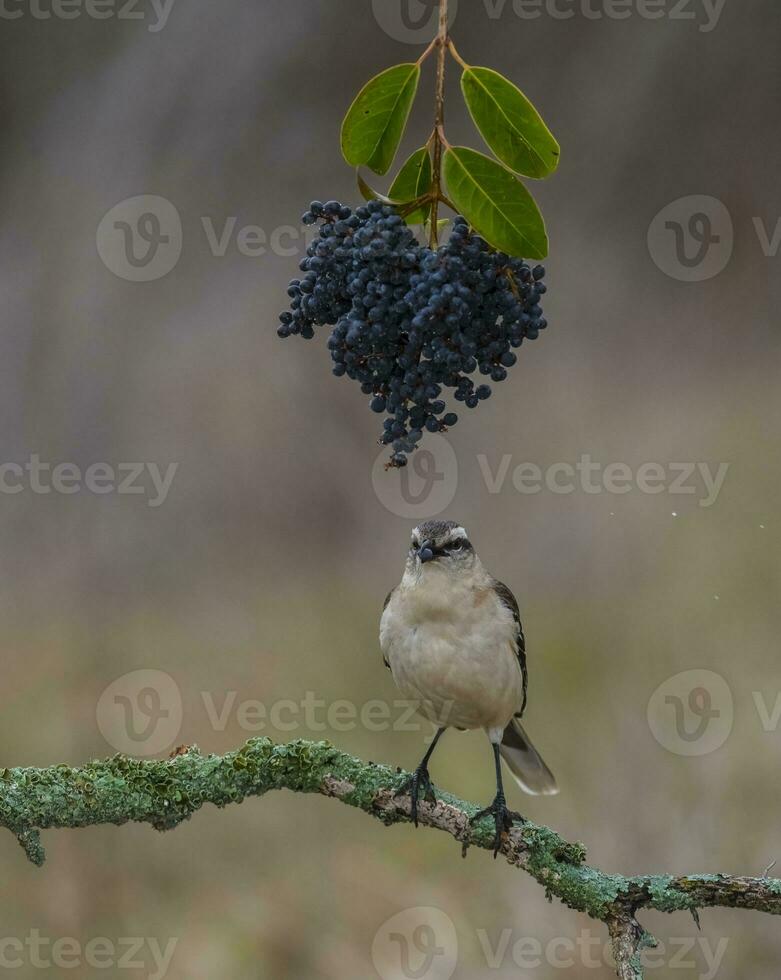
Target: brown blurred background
(260,574)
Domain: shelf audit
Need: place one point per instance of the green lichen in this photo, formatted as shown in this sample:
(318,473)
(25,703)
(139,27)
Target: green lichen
(164,793)
(32,846)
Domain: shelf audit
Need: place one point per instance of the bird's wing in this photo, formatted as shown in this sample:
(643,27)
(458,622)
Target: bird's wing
(508,599)
(384,607)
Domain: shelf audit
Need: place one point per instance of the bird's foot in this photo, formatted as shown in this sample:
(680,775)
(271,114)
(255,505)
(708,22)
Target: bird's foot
(418,780)
(503,820)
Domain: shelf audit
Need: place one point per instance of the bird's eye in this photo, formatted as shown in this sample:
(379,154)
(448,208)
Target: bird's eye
(415,545)
(458,545)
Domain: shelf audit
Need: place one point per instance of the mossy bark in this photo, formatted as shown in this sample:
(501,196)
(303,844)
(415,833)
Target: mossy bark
(166,792)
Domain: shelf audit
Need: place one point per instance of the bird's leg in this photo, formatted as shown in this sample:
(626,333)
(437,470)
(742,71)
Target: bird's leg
(503,818)
(420,777)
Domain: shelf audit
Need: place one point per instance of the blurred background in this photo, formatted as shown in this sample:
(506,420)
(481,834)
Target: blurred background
(224,525)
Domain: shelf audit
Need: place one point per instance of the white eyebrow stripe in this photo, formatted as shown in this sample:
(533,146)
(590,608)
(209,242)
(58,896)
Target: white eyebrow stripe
(453,534)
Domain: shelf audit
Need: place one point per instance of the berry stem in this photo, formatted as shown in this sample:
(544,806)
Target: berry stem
(439,119)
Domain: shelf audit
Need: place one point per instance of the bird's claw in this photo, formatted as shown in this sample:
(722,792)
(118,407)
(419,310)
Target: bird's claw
(418,779)
(503,820)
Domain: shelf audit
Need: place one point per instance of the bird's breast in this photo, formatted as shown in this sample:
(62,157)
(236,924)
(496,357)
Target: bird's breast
(456,653)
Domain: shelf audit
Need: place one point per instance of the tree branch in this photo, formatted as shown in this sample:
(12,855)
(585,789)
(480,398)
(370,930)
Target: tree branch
(164,793)
(629,940)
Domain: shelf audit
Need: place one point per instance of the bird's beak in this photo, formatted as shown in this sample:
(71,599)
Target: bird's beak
(426,552)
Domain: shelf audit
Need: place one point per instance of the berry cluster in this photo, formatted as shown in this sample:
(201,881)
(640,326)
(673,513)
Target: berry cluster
(410,321)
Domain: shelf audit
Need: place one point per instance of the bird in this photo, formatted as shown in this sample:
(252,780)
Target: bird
(452,637)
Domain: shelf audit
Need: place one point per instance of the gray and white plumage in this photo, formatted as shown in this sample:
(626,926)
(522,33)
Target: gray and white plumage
(451,635)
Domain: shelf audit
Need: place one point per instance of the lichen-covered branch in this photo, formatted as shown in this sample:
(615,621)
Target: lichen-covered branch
(166,792)
(629,940)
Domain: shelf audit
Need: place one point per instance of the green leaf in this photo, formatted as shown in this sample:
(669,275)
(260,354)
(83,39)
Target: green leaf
(370,194)
(495,203)
(413,181)
(509,123)
(374,124)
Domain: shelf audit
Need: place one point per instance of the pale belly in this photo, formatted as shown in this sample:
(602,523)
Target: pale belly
(461,674)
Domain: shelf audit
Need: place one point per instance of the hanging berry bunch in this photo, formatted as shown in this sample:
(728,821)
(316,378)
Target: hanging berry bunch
(411,320)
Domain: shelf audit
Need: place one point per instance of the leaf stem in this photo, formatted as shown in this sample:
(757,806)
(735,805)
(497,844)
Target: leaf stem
(409,206)
(446,200)
(428,50)
(452,49)
(441,41)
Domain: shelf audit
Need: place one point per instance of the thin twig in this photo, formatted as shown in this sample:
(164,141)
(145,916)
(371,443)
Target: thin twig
(439,119)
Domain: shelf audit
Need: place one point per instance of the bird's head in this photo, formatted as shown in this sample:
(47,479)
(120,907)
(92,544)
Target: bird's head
(443,545)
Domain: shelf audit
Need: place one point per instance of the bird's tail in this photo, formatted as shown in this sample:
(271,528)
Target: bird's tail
(525,762)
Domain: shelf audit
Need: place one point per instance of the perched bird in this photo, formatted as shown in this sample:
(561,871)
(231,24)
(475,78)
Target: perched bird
(451,635)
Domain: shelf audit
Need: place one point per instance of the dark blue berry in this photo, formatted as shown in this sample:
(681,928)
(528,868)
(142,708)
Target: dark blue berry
(408,323)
